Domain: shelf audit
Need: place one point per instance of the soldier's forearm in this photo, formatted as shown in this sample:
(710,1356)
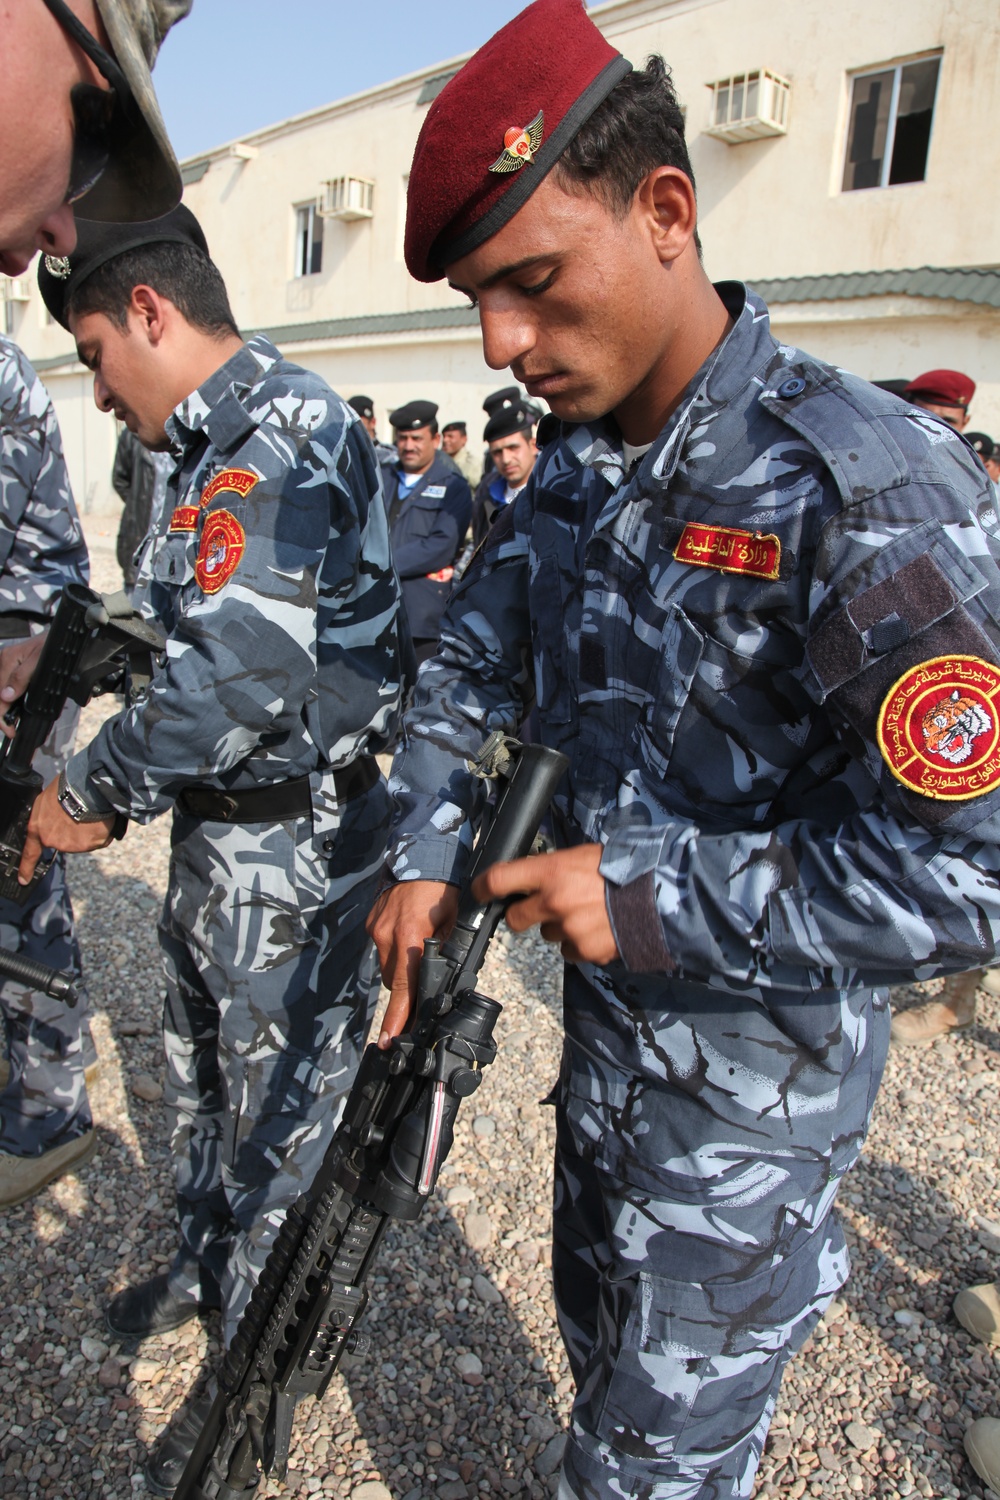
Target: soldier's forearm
(797,908)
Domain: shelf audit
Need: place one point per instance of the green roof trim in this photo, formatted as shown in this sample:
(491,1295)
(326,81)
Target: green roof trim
(976,284)
(194,171)
(345,328)
(979,284)
(433,86)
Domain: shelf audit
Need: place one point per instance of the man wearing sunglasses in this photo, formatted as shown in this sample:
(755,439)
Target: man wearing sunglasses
(79,121)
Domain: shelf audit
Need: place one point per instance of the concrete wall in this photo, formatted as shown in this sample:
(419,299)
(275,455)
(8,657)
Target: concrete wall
(774,207)
(884,337)
(89,438)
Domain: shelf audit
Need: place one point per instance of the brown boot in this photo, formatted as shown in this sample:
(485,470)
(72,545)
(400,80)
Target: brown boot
(977,1308)
(982,1446)
(22,1177)
(953,1010)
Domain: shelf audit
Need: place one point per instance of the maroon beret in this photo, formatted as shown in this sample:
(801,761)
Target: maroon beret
(498,128)
(945,387)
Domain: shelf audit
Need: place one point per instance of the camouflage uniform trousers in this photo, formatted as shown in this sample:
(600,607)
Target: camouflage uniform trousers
(48,1043)
(271,987)
(691,1263)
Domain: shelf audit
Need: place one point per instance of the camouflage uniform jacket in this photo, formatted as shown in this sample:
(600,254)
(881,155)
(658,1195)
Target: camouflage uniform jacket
(41,543)
(269,569)
(721,723)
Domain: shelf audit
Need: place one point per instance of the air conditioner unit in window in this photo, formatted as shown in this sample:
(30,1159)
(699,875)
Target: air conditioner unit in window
(748,107)
(14,289)
(346,198)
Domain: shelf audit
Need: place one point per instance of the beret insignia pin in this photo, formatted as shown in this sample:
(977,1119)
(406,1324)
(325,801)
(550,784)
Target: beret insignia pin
(58,266)
(519,145)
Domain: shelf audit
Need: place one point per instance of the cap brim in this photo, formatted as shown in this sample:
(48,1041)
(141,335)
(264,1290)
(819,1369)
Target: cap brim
(142,179)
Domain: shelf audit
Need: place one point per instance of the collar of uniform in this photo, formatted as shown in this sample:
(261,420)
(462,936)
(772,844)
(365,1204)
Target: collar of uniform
(437,472)
(727,371)
(218,406)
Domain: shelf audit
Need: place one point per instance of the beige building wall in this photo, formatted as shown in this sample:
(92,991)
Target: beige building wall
(771,209)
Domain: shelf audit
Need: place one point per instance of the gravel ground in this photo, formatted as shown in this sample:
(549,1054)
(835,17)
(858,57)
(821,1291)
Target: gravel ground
(467,1390)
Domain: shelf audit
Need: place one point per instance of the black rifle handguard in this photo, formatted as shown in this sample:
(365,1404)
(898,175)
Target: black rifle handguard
(85,650)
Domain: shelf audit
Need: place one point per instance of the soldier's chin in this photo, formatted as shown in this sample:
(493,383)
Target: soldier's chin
(155,441)
(577,406)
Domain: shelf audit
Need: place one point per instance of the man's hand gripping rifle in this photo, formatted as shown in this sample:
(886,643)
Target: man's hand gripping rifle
(382,1164)
(93,645)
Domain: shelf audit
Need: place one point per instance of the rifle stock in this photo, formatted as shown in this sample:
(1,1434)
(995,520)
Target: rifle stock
(382,1164)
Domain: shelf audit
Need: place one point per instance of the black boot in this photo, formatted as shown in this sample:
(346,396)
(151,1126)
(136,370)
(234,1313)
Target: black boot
(168,1460)
(151,1308)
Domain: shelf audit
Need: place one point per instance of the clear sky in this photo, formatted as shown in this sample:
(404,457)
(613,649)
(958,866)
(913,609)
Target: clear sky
(233,66)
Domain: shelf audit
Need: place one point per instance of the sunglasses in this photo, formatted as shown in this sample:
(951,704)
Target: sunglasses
(99,115)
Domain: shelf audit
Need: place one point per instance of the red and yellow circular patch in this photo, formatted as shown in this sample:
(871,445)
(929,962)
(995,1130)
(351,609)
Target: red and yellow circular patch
(939,728)
(222,542)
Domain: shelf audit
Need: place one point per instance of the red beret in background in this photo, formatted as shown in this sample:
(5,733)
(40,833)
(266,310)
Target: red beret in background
(946,387)
(499,127)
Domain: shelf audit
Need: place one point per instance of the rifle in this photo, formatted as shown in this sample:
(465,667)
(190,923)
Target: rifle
(93,645)
(382,1164)
(38,976)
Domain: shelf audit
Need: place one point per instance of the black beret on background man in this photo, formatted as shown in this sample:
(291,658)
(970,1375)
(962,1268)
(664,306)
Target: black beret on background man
(429,505)
(512,452)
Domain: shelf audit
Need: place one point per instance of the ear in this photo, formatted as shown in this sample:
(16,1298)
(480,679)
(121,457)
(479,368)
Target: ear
(148,310)
(665,199)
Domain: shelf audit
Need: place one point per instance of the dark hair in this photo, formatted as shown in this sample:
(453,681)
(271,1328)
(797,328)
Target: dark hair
(180,273)
(637,128)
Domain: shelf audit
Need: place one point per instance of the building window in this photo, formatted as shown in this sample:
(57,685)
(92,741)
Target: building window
(890,126)
(14,294)
(308,241)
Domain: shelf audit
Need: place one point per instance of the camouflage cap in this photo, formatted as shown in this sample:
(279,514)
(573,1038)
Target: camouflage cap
(142,179)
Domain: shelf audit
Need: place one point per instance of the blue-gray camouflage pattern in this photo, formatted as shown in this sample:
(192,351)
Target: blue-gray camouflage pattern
(283,666)
(271,987)
(41,541)
(48,1044)
(767,878)
(293,664)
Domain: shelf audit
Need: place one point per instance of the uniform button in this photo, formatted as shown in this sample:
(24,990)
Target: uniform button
(793,387)
(328,846)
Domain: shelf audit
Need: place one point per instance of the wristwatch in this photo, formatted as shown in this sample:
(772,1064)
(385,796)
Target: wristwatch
(74,806)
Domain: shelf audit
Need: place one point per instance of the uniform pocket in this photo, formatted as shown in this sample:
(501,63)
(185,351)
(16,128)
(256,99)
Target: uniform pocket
(171,558)
(678,653)
(690,1353)
(548,596)
(276,1102)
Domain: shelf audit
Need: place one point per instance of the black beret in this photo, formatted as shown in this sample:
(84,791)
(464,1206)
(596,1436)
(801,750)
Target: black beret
(455,427)
(364,406)
(896,385)
(59,276)
(509,396)
(413,415)
(981,444)
(507,421)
